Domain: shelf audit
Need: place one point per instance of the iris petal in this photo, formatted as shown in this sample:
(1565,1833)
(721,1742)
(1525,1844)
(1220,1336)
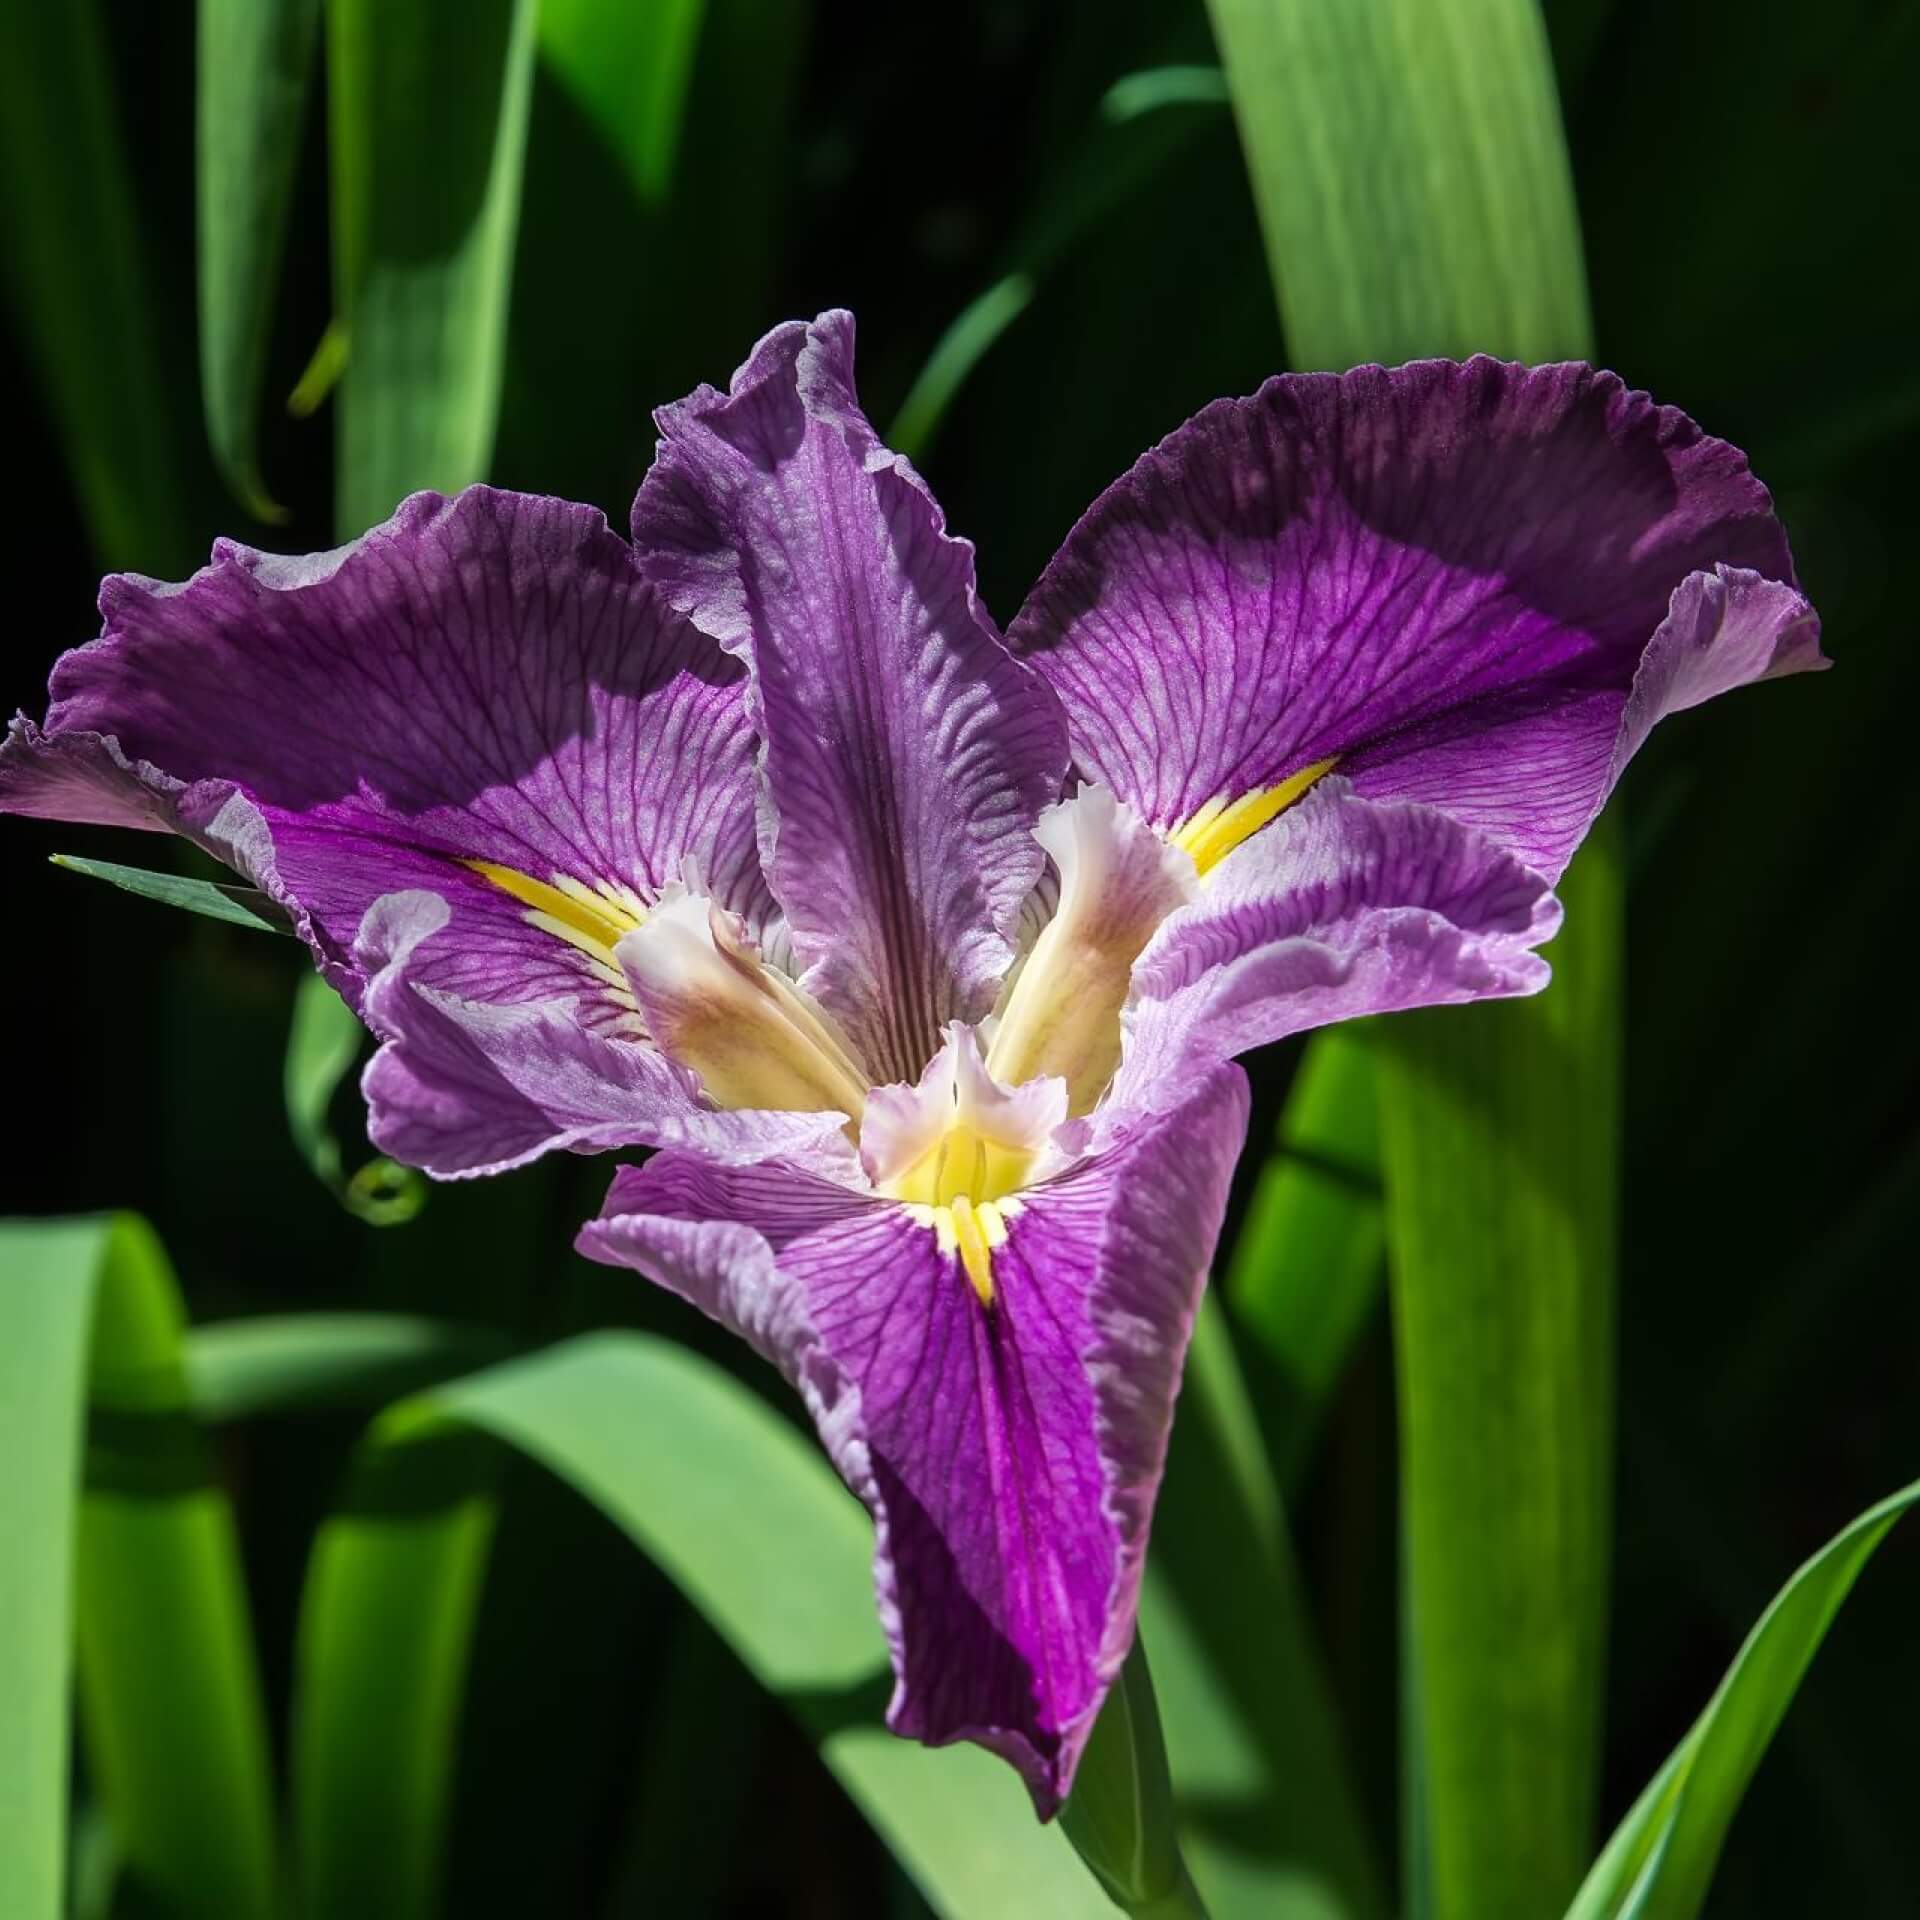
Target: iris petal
(1009,1456)
(1342,907)
(1445,575)
(906,755)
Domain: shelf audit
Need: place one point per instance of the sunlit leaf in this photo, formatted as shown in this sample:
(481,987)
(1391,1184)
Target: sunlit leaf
(1412,182)
(1499,1126)
(1660,1861)
(1411,176)
(428,129)
(254,60)
(386,1620)
(292,1362)
(736,1507)
(174,1728)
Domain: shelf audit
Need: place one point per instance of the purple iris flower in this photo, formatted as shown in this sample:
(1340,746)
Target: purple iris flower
(922,954)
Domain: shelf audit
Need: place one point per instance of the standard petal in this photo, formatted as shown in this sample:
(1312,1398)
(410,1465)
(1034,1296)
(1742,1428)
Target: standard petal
(462,1088)
(1441,577)
(1010,1455)
(483,679)
(906,755)
(1342,907)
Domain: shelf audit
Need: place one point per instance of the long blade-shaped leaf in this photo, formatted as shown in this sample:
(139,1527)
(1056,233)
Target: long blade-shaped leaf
(744,1516)
(78,276)
(1308,1266)
(1410,174)
(628,68)
(1271,1825)
(1661,1858)
(428,123)
(1146,120)
(1501,1165)
(280,1363)
(1412,182)
(955,355)
(254,61)
(386,1621)
(237,906)
(45,1289)
(175,1730)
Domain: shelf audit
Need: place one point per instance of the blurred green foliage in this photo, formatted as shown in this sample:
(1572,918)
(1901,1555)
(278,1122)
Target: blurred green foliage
(1051,269)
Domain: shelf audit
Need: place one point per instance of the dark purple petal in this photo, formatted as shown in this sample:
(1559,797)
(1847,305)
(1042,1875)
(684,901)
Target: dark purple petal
(906,756)
(1445,576)
(462,1088)
(1341,907)
(1010,1455)
(484,678)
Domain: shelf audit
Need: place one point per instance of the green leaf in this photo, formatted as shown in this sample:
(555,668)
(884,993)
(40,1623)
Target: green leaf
(1308,1267)
(296,1362)
(428,124)
(254,59)
(1412,182)
(735,1506)
(954,356)
(1499,1123)
(1120,1816)
(1660,1861)
(174,1727)
(1158,87)
(321,1049)
(323,1045)
(1102,172)
(73,250)
(1271,1826)
(628,69)
(1411,176)
(386,1620)
(44,1312)
(237,906)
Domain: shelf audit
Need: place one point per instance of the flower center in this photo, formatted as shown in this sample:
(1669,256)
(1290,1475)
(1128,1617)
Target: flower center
(959,1184)
(964,1163)
(957,1149)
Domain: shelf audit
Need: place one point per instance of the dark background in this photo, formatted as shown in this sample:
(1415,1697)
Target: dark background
(1749,180)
